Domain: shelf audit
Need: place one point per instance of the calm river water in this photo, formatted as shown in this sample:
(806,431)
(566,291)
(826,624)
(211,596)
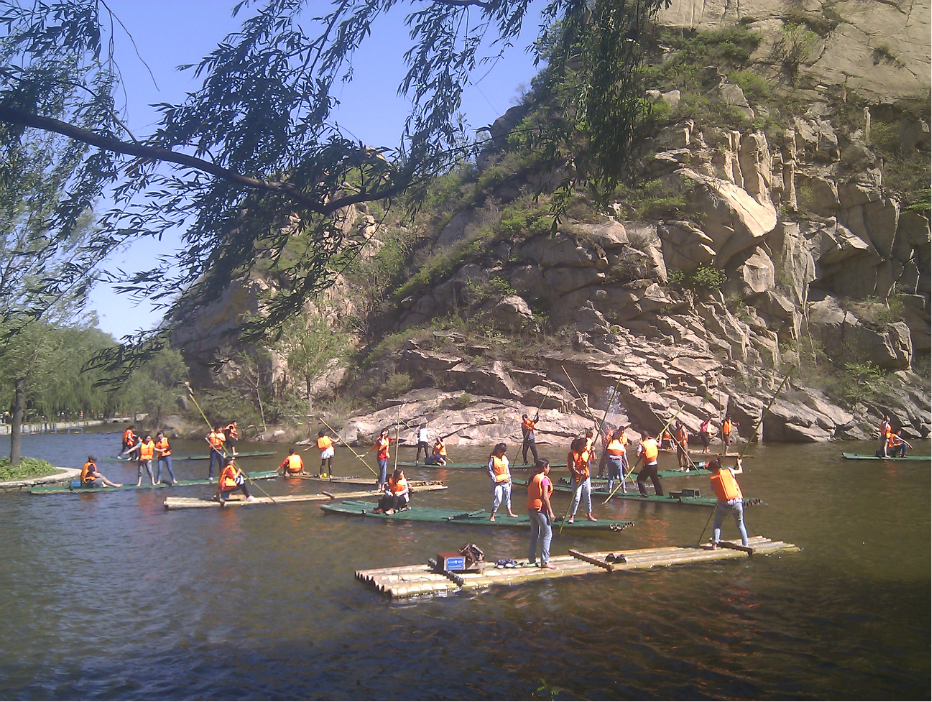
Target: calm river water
(110,596)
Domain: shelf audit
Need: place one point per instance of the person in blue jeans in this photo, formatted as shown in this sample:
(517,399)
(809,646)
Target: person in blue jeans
(730,499)
(540,511)
(164,453)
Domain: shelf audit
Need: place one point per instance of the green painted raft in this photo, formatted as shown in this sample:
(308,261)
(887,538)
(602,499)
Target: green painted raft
(670,498)
(459,517)
(57,489)
(244,454)
(862,457)
(482,466)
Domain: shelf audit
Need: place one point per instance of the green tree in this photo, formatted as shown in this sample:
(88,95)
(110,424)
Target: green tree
(255,147)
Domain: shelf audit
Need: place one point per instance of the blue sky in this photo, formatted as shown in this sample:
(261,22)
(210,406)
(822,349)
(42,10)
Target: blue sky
(168,33)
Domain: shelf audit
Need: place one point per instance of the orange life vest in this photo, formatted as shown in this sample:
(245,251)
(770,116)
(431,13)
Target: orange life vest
(500,469)
(894,440)
(650,451)
(231,431)
(579,463)
(129,439)
(725,486)
(86,471)
(295,464)
(146,449)
(885,430)
(216,439)
(324,442)
(440,449)
(536,490)
(163,447)
(726,426)
(682,436)
(383,445)
(527,425)
(666,435)
(399,487)
(228,477)
(616,448)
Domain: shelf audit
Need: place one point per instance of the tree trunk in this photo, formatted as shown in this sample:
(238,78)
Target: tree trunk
(16,429)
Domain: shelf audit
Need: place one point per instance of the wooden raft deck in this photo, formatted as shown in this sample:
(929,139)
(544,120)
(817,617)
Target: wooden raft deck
(199,503)
(411,581)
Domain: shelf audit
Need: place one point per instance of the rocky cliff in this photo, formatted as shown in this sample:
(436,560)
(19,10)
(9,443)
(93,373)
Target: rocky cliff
(781,229)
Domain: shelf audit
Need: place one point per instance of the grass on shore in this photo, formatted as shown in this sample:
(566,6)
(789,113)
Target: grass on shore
(27,468)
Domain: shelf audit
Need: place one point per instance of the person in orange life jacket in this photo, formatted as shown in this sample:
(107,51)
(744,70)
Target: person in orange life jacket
(439,456)
(895,445)
(666,439)
(422,443)
(540,512)
(730,499)
(705,435)
(231,479)
(727,425)
(292,465)
(530,440)
(395,496)
(129,440)
(382,446)
(578,462)
(231,432)
(681,435)
(144,451)
(617,453)
(163,454)
(501,480)
(647,452)
(90,477)
(886,430)
(325,444)
(216,440)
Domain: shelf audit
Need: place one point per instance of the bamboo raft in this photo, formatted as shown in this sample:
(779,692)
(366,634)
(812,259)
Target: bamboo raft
(265,475)
(863,457)
(417,580)
(238,500)
(237,456)
(459,517)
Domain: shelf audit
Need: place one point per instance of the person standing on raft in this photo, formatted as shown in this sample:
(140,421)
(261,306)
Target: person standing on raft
(292,466)
(231,433)
(422,443)
(647,452)
(617,453)
(681,434)
(144,451)
(501,480)
(163,453)
(530,440)
(325,444)
(215,440)
(395,497)
(382,446)
(129,440)
(231,479)
(705,435)
(90,477)
(540,512)
(727,425)
(730,499)
(578,462)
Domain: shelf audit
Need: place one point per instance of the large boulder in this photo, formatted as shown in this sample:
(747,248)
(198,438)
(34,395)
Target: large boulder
(685,246)
(511,313)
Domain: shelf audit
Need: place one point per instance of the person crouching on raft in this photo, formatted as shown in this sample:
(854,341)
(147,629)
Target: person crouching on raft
(578,462)
(895,446)
(439,456)
(325,444)
(382,446)
(90,477)
(730,499)
(395,496)
(501,480)
(144,451)
(231,479)
(540,512)
(292,466)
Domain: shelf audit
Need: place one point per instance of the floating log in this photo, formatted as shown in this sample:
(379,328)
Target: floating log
(199,503)
(412,581)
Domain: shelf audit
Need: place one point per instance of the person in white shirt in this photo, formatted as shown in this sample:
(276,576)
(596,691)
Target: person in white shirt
(422,443)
